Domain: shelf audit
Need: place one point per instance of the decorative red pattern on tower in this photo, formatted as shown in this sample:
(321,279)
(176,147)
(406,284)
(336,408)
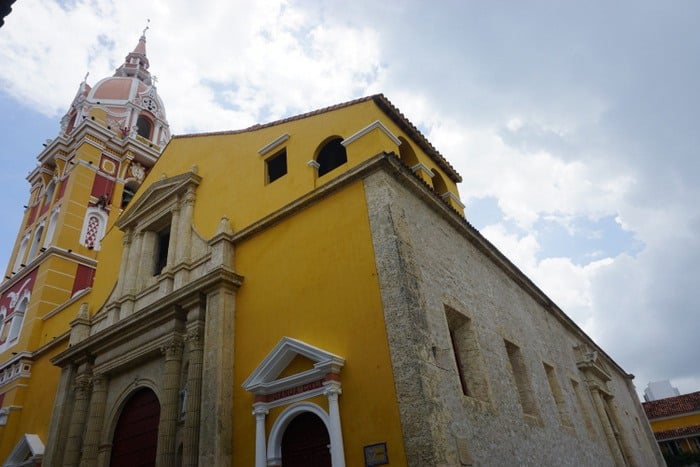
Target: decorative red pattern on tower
(83,278)
(91,234)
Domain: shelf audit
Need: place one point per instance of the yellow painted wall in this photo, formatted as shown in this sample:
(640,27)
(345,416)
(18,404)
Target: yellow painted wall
(313,278)
(36,400)
(233,172)
(675,422)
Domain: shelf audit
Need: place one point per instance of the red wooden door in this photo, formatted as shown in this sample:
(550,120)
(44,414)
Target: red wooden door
(136,434)
(306,443)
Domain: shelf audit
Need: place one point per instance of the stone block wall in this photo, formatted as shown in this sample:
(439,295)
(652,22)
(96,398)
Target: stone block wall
(451,300)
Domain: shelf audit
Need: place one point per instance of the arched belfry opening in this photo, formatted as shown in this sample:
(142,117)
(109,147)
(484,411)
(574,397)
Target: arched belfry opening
(135,438)
(439,184)
(305,442)
(145,126)
(406,153)
(130,188)
(331,156)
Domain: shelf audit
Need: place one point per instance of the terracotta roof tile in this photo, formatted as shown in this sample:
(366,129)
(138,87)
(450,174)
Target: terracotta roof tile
(682,432)
(686,403)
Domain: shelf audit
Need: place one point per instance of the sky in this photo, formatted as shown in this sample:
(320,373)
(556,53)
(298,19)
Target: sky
(573,124)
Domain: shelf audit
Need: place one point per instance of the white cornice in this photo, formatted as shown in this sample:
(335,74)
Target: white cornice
(264,380)
(273,144)
(377,125)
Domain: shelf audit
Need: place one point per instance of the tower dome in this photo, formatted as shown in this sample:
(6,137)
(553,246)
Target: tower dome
(127,102)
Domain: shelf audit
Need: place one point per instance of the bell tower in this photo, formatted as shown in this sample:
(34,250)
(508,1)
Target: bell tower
(110,137)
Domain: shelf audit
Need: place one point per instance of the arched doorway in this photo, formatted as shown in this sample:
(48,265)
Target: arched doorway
(306,443)
(136,434)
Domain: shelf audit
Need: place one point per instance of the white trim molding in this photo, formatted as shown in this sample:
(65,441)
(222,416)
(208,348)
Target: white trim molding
(376,125)
(273,144)
(28,452)
(448,195)
(424,168)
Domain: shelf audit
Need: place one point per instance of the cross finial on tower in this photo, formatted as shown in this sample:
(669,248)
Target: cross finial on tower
(86,76)
(148,21)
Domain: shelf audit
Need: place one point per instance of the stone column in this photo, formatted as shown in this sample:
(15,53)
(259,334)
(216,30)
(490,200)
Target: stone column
(60,419)
(260,413)
(607,426)
(95,421)
(190,449)
(170,403)
(332,391)
(146,259)
(184,229)
(126,246)
(174,240)
(618,430)
(81,390)
(132,264)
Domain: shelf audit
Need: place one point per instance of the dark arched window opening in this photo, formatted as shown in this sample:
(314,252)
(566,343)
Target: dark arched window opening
(439,184)
(406,153)
(305,442)
(144,127)
(130,188)
(331,156)
(71,121)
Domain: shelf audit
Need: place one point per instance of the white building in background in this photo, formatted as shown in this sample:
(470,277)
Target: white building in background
(660,390)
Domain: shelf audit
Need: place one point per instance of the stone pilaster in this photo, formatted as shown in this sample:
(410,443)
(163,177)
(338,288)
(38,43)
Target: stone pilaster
(608,429)
(184,227)
(216,429)
(81,390)
(131,266)
(174,240)
(618,430)
(146,261)
(167,428)
(95,421)
(126,247)
(60,419)
(190,447)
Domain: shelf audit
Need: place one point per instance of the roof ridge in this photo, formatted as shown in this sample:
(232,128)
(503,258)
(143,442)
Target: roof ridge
(384,105)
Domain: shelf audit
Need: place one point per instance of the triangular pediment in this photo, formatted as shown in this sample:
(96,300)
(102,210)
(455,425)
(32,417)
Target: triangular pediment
(29,448)
(270,375)
(157,197)
(590,360)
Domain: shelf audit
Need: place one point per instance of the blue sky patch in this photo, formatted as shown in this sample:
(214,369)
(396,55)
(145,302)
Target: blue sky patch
(583,239)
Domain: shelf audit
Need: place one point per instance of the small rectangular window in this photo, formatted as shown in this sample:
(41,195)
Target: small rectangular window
(276,166)
(467,355)
(579,399)
(522,379)
(557,393)
(162,243)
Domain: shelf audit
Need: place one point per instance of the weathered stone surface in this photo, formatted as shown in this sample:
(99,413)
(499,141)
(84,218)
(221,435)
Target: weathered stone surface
(426,262)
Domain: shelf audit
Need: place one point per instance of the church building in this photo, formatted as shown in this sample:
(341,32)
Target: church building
(305,292)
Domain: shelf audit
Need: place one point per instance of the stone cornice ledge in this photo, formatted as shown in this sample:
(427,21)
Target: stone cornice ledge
(155,313)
